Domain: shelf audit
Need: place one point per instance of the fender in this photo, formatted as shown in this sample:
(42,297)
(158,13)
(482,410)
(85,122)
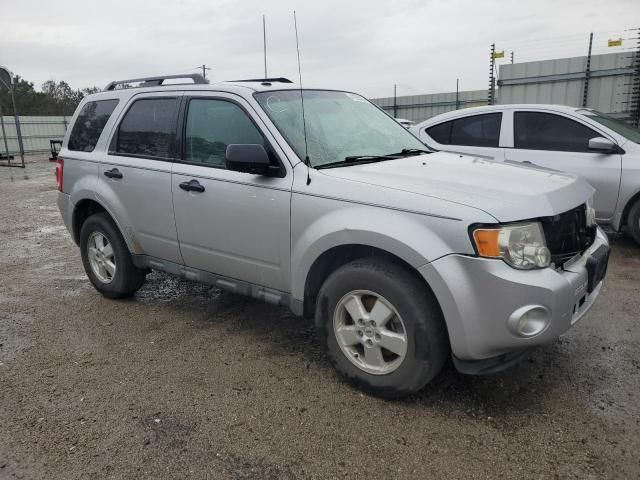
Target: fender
(374,227)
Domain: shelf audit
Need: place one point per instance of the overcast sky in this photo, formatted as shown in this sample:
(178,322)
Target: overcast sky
(361,45)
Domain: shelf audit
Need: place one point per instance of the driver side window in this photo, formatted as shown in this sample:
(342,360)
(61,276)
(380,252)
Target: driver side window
(214,124)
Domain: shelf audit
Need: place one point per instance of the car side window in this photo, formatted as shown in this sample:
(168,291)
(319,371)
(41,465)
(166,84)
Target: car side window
(475,131)
(148,129)
(441,133)
(547,131)
(214,124)
(89,125)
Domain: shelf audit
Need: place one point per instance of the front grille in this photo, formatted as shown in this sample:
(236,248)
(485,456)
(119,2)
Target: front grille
(568,234)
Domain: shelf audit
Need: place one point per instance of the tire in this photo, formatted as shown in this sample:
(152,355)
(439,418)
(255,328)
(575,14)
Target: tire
(633,222)
(119,282)
(414,312)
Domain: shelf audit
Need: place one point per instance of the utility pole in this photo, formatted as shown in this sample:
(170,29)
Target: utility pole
(457,100)
(264,44)
(395,103)
(204,70)
(587,73)
(492,79)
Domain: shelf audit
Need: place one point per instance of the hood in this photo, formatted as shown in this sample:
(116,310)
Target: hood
(506,192)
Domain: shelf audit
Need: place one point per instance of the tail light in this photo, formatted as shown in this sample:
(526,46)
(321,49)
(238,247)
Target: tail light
(59,173)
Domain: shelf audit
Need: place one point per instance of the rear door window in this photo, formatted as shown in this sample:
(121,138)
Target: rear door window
(148,129)
(547,131)
(474,131)
(89,125)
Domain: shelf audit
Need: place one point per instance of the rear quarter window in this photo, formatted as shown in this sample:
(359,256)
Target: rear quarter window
(89,125)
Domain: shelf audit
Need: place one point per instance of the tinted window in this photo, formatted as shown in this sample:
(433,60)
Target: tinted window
(546,131)
(148,128)
(214,124)
(475,131)
(89,125)
(441,133)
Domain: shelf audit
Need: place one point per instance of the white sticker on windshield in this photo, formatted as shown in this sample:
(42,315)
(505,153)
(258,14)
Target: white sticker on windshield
(275,104)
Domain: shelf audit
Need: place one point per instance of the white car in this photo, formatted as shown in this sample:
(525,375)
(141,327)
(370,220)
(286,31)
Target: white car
(601,149)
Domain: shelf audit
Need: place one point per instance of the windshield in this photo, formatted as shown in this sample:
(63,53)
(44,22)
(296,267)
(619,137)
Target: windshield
(341,126)
(614,124)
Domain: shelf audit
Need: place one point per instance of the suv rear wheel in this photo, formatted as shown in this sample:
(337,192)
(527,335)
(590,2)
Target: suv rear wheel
(106,258)
(382,327)
(633,221)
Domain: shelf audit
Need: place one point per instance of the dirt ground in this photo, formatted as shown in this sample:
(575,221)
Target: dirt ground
(187,381)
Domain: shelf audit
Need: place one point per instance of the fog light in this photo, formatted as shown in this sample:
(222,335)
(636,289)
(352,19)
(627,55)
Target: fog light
(529,321)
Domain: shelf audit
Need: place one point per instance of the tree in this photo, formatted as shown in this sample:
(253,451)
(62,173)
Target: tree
(56,98)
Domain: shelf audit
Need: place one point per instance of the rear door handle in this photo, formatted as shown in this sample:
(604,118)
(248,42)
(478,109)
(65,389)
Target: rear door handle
(192,186)
(113,173)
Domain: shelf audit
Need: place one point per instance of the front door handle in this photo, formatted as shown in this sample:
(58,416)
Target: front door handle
(113,173)
(192,186)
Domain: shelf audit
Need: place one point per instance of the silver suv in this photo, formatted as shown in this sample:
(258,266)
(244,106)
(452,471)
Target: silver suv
(403,257)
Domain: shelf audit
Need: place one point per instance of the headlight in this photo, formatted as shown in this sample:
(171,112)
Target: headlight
(521,245)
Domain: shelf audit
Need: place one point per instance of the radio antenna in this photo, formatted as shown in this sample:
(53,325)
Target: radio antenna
(304,121)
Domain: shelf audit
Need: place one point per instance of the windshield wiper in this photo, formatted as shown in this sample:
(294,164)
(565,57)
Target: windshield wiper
(410,152)
(358,159)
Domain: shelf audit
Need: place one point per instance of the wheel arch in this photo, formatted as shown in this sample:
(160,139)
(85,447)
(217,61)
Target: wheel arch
(86,207)
(627,208)
(337,256)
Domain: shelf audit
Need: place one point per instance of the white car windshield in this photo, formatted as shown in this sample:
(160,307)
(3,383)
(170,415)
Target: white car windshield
(614,124)
(342,128)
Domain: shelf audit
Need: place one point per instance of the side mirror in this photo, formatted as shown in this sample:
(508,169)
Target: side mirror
(249,158)
(602,145)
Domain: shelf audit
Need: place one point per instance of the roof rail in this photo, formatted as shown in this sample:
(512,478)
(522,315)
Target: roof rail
(157,81)
(264,80)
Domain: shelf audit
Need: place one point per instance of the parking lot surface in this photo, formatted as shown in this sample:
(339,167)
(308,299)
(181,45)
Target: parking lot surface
(186,381)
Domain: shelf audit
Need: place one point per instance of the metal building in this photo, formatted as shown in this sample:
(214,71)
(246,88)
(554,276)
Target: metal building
(420,107)
(562,81)
(610,81)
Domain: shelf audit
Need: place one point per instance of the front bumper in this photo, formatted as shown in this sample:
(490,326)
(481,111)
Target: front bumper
(479,295)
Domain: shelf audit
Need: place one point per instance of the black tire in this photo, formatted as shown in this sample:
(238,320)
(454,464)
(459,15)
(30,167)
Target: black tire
(633,222)
(427,341)
(127,278)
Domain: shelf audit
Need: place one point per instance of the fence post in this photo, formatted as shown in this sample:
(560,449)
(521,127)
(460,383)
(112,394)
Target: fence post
(492,78)
(4,134)
(587,73)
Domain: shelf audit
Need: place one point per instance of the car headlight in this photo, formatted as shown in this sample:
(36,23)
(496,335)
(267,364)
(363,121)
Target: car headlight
(521,245)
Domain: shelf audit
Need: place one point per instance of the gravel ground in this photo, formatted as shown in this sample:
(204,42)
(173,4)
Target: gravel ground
(187,381)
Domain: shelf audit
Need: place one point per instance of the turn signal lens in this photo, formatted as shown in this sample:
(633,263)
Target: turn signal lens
(487,242)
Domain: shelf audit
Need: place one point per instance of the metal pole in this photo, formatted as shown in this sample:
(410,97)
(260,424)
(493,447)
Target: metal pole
(395,103)
(4,134)
(457,101)
(587,73)
(204,71)
(264,44)
(492,79)
(15,115)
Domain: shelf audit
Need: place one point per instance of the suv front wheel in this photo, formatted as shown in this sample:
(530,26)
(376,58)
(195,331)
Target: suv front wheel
(106,258)
(383,328)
